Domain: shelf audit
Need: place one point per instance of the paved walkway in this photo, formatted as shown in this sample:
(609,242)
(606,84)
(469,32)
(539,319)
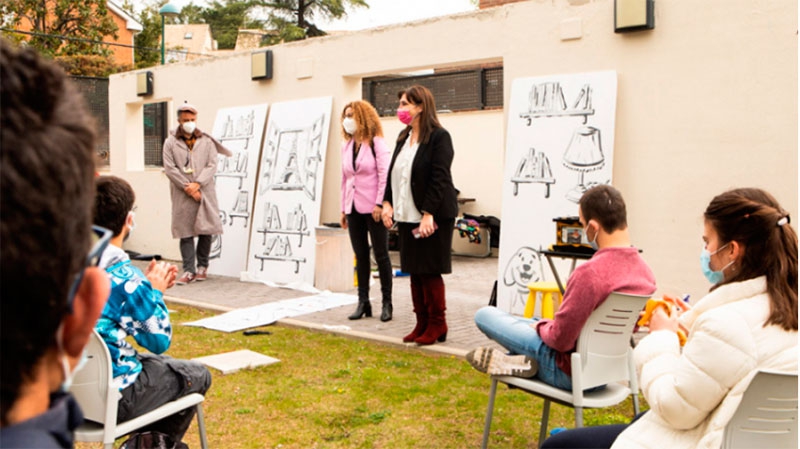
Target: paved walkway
(468,288)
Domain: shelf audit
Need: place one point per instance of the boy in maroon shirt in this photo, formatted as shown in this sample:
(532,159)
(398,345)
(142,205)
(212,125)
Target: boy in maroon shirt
(544,346)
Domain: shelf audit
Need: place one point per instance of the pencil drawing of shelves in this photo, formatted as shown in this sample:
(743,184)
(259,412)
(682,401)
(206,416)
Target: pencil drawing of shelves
(233,167)
(240,207)
(240,129)
(296,223)
(547,100)
(534,168)
(279,248)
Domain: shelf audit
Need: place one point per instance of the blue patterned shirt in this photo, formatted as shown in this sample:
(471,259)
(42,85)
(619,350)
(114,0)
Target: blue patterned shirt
(134,308)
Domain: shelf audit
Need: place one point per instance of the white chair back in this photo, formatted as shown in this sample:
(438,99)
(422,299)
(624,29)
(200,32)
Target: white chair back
(604,342)
(767,415)
(90,386)
(94,390)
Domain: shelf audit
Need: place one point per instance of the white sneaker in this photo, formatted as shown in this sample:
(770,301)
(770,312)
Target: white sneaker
(493,362)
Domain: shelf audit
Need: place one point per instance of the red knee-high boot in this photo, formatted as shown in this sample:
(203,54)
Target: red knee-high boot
(420,309)
(434,299)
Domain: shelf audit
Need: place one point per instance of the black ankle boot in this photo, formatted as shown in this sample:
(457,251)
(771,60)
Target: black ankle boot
(364,309)
(386,313)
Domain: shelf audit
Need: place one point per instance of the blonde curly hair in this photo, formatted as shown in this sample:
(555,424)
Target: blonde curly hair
(367,120)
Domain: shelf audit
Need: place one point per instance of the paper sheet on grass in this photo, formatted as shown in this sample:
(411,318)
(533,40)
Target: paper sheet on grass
(269,313)
(230,362)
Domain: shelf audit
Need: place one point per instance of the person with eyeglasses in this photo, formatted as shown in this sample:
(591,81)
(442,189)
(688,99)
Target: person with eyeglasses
(51,294)
(136,309)
(190,163)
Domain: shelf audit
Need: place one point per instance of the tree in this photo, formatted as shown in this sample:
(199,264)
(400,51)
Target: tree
(292,19)
(63,28)
(148,41)
(227,18)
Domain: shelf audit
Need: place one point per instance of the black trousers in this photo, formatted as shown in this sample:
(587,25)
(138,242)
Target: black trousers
(359,226)
(188,252)
(164,379)
(597,437)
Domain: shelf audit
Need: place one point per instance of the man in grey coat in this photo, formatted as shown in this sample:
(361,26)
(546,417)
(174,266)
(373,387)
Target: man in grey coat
(190,163)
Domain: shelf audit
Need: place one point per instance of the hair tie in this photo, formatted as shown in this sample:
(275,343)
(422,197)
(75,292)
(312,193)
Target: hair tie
(784,220)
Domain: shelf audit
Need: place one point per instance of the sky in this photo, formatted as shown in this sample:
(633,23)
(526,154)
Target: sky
(385,12)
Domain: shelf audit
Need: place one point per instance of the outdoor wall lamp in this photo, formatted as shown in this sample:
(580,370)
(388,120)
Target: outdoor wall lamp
(261,65)
(633,15)
(144,84)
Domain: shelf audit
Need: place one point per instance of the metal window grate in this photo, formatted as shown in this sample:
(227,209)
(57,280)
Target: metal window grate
(155,133)
(95,91)
(454,91)
(493,88)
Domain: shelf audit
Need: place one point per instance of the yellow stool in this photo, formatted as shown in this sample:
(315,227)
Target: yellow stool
(548,306)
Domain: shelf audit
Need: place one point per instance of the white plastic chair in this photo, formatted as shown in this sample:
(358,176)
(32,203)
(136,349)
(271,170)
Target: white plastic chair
(767,415)
(92,387)
(602,357)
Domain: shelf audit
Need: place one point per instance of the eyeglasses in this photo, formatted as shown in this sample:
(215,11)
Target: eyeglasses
(100,238)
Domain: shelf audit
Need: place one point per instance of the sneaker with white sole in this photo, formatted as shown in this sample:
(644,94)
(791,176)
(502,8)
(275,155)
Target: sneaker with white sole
(187,278)
(496,363)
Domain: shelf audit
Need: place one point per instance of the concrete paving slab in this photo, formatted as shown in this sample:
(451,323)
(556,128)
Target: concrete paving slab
(467,289)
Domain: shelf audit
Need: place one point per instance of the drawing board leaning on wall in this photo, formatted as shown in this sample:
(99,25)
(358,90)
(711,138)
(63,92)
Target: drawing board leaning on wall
(241,130)
(288,199)
(560,142)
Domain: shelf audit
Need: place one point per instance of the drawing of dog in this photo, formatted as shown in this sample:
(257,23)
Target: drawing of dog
(523,268)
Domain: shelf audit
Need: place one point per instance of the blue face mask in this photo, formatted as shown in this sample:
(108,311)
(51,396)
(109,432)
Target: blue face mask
(592,242)
(715,277)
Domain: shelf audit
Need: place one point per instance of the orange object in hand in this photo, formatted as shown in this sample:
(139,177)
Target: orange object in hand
(651,306)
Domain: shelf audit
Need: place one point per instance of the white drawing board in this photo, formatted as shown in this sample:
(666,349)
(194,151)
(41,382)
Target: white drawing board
(241,130)
(560,141)
(288,199)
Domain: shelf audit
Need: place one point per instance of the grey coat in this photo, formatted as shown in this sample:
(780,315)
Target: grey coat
(190,218)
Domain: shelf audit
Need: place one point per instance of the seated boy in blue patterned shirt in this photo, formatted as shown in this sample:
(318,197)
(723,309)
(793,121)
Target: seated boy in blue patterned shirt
(136,307)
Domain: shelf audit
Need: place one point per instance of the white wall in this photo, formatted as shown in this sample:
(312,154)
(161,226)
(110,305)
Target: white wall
(706,101)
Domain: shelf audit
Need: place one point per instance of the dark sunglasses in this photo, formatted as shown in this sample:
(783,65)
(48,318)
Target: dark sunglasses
(100,238)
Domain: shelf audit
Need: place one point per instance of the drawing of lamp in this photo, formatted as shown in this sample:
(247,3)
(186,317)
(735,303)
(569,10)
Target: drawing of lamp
(584,154)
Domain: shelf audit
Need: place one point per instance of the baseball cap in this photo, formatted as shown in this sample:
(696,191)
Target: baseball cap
(187,107)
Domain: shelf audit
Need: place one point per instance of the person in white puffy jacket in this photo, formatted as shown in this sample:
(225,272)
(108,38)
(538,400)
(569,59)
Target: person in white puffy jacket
(747,323)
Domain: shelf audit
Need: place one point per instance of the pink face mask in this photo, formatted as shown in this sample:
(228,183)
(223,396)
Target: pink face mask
(404,116)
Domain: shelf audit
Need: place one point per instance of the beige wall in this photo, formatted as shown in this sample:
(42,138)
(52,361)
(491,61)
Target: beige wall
(706,101)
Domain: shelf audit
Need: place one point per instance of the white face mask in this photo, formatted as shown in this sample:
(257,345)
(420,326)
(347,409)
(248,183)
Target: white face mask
(349,125)
(68,375)
(132,226)
(189,127)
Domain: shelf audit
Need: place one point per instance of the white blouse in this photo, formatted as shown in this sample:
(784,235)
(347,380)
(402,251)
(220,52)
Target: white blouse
(404,208)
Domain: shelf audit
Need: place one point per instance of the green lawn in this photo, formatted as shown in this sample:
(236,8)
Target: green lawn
(330,391)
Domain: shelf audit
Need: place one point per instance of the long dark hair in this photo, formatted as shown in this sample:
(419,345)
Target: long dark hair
(753,218)
(428,122)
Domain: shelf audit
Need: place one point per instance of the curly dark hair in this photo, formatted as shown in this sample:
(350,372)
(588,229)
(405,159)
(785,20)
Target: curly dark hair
(46,193)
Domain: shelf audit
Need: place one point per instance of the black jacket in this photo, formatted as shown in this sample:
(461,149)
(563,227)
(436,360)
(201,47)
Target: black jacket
(431,182)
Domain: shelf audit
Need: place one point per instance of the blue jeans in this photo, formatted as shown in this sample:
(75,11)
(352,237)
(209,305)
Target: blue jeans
(518,336)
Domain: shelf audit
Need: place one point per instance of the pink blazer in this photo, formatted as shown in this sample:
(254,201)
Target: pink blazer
(363,186)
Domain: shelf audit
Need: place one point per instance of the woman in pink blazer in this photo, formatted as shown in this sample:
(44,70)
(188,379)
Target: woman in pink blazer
(365,164)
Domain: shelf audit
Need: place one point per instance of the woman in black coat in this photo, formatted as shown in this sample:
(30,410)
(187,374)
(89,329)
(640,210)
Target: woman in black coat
(421,199)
